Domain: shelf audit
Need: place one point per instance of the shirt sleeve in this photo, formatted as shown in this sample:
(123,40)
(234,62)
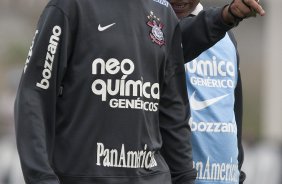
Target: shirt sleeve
(174,113)
(202,31)
(35,104)
(238,108)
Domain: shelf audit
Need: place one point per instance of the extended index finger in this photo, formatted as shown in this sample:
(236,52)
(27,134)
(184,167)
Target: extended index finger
(255,6)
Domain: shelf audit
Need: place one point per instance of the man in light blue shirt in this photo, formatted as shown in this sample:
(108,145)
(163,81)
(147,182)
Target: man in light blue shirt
(215,97)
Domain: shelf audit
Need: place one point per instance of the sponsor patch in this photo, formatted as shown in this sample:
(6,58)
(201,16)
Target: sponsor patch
(30,52)
(226,172)
(50,56)
(125,158)
(124,93)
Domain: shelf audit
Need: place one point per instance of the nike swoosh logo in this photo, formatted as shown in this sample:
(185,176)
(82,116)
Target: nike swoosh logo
(199,105)
(103,28)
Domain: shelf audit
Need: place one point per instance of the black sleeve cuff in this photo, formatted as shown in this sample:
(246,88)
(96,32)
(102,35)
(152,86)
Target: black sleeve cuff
(242,177)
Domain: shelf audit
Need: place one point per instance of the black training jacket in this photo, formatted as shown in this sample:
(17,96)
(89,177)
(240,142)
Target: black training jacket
(102,98)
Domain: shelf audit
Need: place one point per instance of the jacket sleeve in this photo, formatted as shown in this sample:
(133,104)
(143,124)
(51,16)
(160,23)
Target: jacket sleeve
(35,104)
(238,115)
(238,108)
(174,113)
(202,31)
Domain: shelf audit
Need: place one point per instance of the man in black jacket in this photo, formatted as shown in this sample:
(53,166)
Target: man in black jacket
(103,93)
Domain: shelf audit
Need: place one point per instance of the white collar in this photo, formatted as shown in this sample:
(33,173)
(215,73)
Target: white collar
(197,10)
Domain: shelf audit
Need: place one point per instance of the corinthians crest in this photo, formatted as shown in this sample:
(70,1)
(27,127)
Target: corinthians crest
(156,34)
